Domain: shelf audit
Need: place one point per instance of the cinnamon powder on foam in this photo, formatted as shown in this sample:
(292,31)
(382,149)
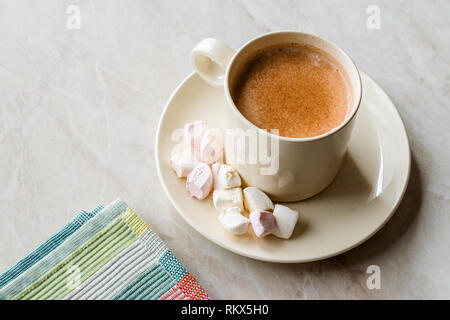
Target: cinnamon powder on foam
(297,89)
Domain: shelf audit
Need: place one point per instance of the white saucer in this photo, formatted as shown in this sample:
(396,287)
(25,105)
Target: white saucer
(364,196)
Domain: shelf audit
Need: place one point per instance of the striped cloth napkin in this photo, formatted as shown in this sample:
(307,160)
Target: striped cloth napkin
(109,253)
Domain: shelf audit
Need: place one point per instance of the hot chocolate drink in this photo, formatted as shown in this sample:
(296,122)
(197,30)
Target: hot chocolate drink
(300,90)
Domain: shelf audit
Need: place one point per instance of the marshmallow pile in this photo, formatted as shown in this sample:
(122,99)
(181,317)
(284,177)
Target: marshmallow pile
(199,165)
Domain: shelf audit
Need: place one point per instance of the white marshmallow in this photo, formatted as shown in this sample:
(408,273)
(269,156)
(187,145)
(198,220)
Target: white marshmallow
(227,198)
(200,181)
(193,134)
(255,199)
(210,149)
(233,221)
(225,177)
(263,223)
(183,162)
(286,219)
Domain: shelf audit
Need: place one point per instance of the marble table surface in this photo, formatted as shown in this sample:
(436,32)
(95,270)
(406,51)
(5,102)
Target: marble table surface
(79,109)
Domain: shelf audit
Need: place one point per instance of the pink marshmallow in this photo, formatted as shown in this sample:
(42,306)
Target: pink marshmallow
(193,134)
(210,149)
(263,223)
(199,181)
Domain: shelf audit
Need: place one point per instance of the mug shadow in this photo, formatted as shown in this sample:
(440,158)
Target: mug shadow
(401,222)
(350,182)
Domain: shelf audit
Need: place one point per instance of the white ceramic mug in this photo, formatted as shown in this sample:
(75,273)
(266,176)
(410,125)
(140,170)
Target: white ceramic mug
(306,165)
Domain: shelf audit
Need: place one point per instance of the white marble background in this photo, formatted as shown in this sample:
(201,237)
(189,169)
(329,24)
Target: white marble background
(79,110)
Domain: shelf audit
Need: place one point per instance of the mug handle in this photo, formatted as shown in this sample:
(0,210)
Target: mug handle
(210,59)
